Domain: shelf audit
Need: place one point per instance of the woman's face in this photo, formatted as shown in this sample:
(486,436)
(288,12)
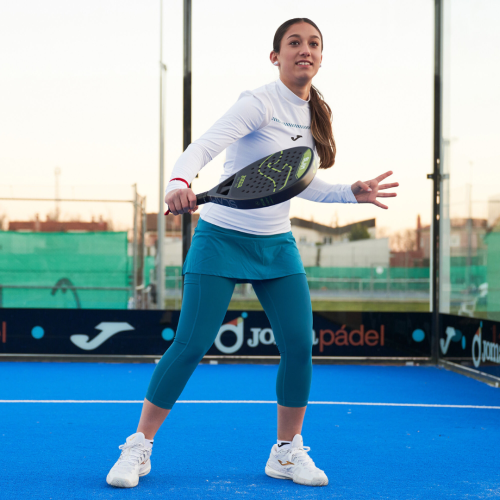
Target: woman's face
(300,53)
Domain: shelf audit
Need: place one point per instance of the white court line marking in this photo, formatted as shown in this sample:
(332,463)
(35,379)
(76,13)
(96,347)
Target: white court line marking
(418,405)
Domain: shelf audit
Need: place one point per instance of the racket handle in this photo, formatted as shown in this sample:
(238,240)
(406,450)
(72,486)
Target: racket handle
(200,200)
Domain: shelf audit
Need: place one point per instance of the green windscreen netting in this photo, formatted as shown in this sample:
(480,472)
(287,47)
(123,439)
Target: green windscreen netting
(68,264)
(69,270)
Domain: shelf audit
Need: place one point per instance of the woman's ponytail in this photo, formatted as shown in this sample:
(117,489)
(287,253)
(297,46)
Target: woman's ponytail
(321,128)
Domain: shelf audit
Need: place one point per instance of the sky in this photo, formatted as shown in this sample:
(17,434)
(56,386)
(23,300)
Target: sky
(79,90)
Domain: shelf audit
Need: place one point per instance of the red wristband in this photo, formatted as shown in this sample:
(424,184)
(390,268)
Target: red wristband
(179,179)
(176,179)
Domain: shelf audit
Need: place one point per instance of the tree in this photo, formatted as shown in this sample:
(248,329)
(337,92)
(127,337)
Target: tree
(359,232)
(403,241)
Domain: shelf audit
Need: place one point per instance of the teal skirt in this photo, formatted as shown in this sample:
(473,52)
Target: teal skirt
(218,251)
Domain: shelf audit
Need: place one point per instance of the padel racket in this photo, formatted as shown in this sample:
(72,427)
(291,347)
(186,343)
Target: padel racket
(266,182)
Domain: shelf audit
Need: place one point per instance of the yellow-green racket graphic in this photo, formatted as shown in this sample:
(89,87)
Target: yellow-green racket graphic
(266,182)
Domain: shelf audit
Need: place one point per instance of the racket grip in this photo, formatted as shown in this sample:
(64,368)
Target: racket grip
(201,199)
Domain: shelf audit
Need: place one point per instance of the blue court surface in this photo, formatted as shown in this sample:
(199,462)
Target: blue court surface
(379,432)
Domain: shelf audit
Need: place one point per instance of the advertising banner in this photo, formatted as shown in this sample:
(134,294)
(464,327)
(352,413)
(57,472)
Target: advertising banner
(472,342)
(130,332)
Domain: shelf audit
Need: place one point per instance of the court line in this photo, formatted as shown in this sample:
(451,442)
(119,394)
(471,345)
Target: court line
(344,403)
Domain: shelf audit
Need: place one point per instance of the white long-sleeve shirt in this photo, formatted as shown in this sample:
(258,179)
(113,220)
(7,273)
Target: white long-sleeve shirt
(261,122)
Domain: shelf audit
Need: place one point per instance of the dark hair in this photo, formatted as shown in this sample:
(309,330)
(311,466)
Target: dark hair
(321,114)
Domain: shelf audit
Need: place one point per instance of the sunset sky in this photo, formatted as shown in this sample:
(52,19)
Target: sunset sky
(79,90)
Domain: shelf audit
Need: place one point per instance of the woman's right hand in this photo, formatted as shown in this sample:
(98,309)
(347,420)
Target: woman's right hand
(181,201)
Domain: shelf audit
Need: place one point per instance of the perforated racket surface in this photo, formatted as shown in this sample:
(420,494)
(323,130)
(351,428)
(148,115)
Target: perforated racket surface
(266,182)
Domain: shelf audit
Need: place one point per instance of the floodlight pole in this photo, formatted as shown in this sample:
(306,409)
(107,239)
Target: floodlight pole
(160,230)
(186,218)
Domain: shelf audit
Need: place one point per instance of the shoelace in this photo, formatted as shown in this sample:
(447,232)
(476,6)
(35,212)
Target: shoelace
(132,453)
(300,457)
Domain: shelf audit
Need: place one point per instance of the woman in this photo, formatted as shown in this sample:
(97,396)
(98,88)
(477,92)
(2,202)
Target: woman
(232,246)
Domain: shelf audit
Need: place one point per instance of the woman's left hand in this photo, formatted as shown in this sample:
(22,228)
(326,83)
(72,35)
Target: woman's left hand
(368,192)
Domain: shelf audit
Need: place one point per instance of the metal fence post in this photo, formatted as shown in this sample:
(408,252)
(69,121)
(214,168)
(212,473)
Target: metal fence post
(143,236)
(436,175)
(134,249)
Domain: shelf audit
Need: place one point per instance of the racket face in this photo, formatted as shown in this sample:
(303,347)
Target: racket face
(268,181)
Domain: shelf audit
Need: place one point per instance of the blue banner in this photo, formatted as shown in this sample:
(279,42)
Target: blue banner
(472,342)
(131,332)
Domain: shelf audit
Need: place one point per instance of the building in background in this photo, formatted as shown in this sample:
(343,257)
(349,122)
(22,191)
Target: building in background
(57,226)
(306,231)
(325,246)
(467,243)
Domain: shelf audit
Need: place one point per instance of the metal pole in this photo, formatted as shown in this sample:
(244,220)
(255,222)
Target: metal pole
(144,221)
(186,218)
(436,175)
(134,249)
(160,267)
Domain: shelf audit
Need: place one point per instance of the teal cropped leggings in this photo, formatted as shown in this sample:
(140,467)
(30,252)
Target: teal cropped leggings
(287,304)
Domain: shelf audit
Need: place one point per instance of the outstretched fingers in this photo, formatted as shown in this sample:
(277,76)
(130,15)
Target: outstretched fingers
(387,186)
(380,205)
(381,177)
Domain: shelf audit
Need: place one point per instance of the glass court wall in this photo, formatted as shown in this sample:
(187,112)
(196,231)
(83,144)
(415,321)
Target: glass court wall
(470,221)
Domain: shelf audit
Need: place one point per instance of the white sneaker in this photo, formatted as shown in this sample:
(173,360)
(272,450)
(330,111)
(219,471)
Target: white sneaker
(133,462)
(294,463)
